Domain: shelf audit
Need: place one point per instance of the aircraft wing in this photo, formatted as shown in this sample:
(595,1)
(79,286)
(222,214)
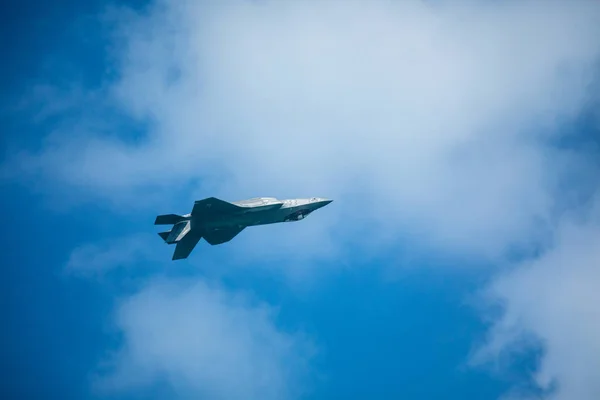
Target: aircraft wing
(185,246)
(218,236)
(212,205)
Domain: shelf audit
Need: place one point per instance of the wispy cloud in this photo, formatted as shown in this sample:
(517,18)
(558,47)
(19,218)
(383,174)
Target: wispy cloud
(205,343)
(201,340)
(554,298)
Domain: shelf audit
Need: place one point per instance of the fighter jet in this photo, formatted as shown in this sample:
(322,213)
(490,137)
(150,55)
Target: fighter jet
(219,221)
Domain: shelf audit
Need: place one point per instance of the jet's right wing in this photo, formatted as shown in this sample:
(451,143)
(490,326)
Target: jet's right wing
(185,246)
(212,205)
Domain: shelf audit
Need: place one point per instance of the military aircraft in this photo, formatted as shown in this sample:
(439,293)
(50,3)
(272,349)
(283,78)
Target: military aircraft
(219,221)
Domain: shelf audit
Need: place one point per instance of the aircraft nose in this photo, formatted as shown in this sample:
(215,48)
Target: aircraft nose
(318,202)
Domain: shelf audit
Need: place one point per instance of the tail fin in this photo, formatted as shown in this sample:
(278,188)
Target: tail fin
(184,243)
(168,219)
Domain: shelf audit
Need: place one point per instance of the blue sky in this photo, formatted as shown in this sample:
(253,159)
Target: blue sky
(458,260)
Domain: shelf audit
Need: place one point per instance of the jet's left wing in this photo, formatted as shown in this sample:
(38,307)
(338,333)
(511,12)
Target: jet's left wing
(212,205)
(218,236)
(185,246)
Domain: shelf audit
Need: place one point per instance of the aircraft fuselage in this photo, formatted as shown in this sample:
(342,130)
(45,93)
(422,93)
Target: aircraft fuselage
(218,221)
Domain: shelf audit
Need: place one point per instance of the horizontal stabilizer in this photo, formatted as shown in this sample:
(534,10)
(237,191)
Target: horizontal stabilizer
(168,219)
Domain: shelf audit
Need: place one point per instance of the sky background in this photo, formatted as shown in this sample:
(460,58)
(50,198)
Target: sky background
(460,258)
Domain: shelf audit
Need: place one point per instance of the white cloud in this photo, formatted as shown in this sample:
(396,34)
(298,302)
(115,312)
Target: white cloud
(431,112)
(201,340)
(204,342)
(555,299)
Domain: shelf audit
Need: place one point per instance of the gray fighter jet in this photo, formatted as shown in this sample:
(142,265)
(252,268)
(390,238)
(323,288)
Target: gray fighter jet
(219,221)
